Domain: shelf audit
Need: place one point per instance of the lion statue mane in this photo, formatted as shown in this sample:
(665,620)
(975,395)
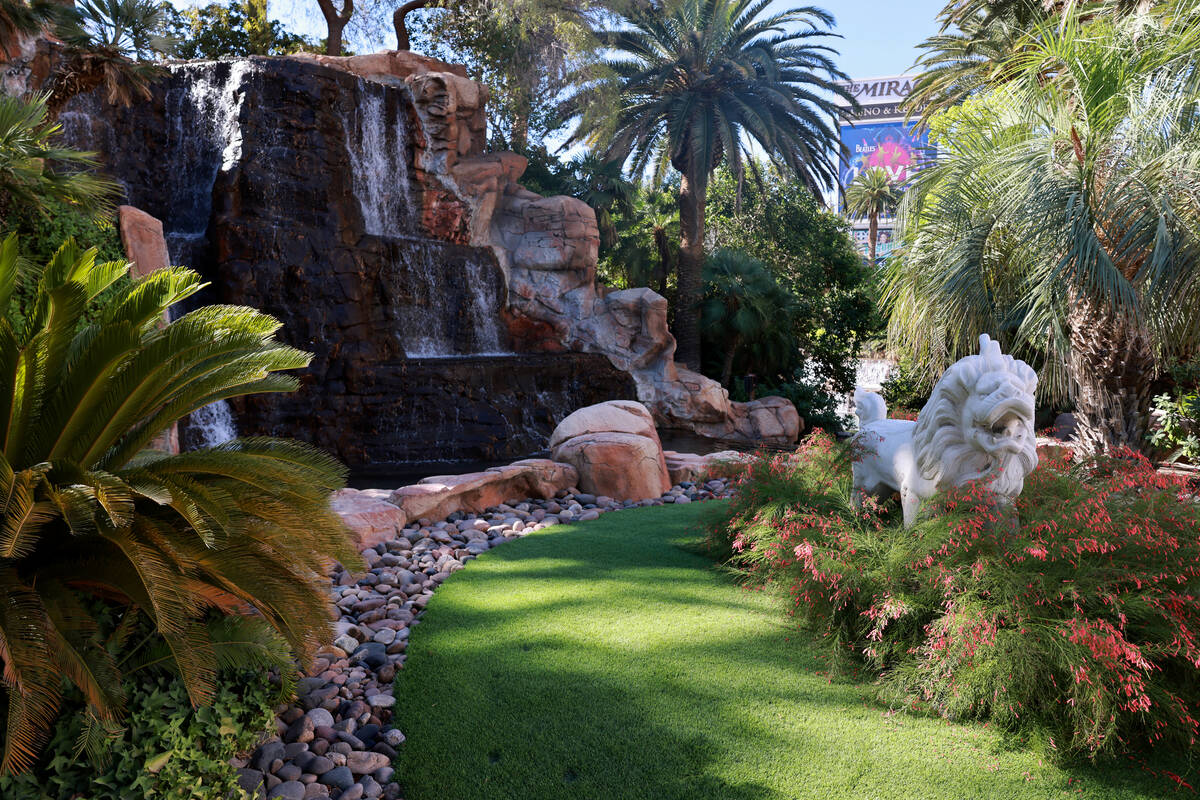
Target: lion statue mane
(977,426)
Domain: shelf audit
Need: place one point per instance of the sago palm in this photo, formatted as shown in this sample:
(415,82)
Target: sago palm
(872,194)
(90,375)
(1062,210)
(694,83)
(32,168)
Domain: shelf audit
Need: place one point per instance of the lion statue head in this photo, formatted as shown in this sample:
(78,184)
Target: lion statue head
(978,423)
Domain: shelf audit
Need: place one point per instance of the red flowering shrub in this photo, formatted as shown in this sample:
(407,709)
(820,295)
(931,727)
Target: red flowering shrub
(1077,611)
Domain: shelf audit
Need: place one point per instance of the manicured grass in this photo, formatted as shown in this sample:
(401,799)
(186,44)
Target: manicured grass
(611,660)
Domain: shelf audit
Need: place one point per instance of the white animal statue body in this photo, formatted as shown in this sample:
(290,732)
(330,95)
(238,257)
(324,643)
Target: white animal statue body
(977,426)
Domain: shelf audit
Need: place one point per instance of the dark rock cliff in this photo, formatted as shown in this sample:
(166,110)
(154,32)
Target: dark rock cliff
(288,185)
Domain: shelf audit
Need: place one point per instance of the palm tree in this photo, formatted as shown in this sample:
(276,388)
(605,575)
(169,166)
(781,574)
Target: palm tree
(698,82)
(19,19)
(32,169)
(976,36)
(745,309)
(601,184)
(872,194)
(88,512)
(107,42)
(1061,213)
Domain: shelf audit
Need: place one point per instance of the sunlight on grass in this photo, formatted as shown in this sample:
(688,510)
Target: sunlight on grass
(632,667)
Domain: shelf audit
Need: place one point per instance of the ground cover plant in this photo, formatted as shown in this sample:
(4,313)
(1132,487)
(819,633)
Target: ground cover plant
(616,659)
(1076,620)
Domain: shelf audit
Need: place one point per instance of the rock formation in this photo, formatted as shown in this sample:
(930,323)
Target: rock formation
(547,247)
(452,314)
(614,446)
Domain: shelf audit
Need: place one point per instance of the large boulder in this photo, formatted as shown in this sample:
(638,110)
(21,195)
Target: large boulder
(616,450)
(369,516)
(440,496)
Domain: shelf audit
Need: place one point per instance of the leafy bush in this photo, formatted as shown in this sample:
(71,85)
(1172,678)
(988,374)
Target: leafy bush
(28,148)
(169,749)
(746,319)
(91,510)
(41,234)
(906,388)
(1178,426)
(1078,617)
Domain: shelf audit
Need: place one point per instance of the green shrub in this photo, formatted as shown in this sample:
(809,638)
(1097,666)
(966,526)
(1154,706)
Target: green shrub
(91,510)
(1178,430)
(906,388)
(1077,618)
(41,234)
(169,749)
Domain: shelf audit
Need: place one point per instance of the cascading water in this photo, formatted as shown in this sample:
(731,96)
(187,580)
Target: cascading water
(442,307)
(207,139)
(870,373)
(377,143)
(212,425)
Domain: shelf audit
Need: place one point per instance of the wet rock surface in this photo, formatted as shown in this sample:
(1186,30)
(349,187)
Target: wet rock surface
(318,195)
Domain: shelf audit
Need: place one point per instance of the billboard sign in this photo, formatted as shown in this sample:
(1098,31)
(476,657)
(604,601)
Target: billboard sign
(893,146)
(873,91)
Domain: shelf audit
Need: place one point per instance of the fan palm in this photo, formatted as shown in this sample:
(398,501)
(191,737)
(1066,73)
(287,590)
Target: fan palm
(601,184)
(745,309)
(107,41)
(20,19)
(86,509)
(699,82)
(26,153)
(872,194)
(976,36)
(1061,210)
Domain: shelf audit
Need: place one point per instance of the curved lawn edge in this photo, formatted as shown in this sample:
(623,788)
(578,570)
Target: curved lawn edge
(611,660)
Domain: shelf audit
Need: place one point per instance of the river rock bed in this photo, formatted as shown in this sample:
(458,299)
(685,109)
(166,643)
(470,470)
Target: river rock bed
(336,741)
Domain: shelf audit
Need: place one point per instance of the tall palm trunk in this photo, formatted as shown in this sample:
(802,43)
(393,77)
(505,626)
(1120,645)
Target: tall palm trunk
(1111,367)
(691,264)
(872,235)
(663,247)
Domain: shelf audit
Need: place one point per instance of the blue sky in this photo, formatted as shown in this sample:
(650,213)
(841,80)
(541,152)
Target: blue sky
(880,38)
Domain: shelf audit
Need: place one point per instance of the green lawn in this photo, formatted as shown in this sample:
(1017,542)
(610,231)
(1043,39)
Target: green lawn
(610,660)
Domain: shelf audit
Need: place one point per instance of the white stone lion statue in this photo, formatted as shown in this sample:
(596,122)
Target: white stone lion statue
(977,426)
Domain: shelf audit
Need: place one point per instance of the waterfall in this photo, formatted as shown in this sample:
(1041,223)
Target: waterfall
(204,140)
(870,373)
(212,425)
(377,142)
(443,301)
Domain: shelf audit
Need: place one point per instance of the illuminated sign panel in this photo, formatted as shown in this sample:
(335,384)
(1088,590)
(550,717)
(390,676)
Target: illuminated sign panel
(894,147)
(877,136)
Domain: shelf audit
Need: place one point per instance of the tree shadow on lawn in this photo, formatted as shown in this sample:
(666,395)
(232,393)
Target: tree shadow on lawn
(561,668)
